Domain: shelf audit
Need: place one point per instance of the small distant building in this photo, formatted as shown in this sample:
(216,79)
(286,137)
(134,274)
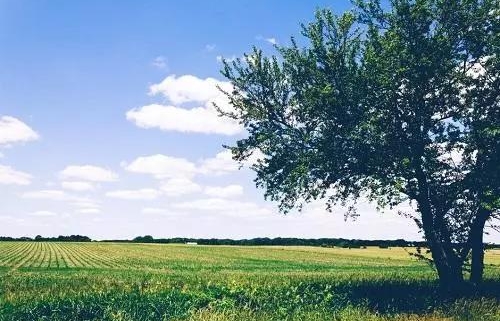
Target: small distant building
(191,243)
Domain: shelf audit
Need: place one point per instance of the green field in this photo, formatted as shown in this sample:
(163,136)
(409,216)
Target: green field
(111,281)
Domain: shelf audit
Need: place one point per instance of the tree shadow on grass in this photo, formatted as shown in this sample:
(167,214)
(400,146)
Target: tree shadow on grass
(414,297)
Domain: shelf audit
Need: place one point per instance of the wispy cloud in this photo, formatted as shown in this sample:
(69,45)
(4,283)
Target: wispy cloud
(270,40)
(43,213)
(160,62)
(227,59)
(210,47)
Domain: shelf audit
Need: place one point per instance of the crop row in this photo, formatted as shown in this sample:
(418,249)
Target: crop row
(52,255)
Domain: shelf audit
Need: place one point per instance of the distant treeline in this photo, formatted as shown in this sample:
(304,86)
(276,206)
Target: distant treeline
(39,238)
(262,241)
(288,241)
(325,242)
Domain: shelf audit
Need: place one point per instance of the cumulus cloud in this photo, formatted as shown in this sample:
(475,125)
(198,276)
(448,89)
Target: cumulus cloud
(10,176)
(188,88)
(195,120)
(179,186)
(12,130)
(222,163)
(78,186)
(224,191)
(88,173)
(161,166)
(201,118)
(168,167)
(138,194)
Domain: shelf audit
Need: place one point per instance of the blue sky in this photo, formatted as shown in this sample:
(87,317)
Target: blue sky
(106,127)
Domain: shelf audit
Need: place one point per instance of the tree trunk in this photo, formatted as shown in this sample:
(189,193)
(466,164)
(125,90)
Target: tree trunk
(448,267)
(477,248)
(447,263)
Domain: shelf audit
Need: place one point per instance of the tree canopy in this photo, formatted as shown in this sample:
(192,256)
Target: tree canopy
(394,105)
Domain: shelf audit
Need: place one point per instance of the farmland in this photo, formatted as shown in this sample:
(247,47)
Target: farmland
(115,281)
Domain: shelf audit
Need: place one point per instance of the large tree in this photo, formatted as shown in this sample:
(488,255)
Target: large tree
(395,104)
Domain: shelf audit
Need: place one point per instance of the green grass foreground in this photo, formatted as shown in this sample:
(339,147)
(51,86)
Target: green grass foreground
(107,281)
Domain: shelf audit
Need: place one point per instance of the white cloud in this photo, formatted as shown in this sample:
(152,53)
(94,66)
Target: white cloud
(59,195)
(161,166)
(10,176)
(210,47)
(139,194)
(179,186)
(89,211)
(88,173)
(223,206)
(43,213)
(163,212)
(169,167)
(254,158)
(160,62)
(78,186)
(272,41)
(224,191)
(227,59)
(220,164)
(12,130)
(55,195)
(202,118)
(188,88)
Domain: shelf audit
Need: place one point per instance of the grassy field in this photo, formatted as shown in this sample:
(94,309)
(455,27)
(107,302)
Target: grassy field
(107,281)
